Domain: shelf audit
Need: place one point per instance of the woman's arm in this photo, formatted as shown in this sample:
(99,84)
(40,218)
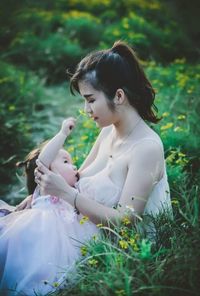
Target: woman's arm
(144,171)
(51,149)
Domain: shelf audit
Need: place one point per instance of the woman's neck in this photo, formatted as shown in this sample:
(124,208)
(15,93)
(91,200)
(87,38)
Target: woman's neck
(127,122)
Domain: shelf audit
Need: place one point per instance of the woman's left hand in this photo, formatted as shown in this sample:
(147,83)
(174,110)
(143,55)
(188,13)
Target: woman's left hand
(50,182)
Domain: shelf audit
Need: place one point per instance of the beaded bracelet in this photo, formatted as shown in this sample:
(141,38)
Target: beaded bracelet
(76,210)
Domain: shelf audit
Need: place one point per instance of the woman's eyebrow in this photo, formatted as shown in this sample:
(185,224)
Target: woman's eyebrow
(87,96)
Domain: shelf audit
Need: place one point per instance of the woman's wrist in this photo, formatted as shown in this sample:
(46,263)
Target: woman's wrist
(71,196)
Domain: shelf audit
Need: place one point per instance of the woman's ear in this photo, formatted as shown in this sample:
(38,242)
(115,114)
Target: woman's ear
(119,97)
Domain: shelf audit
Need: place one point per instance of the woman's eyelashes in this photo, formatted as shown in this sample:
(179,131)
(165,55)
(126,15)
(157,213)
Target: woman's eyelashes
(89,100)
(65,161)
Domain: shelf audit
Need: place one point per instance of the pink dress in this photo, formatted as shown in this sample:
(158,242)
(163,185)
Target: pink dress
(42,244)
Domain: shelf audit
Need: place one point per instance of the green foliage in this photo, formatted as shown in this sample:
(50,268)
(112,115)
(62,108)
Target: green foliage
(49,38)
(20,93)
(177,87)
(54,41)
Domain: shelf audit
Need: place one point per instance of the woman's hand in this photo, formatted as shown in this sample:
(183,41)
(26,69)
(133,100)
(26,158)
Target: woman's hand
(50,182)
(25,204)
(67,125)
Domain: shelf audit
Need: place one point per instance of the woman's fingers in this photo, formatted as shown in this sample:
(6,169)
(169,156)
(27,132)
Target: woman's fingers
(40,172)
(41,168)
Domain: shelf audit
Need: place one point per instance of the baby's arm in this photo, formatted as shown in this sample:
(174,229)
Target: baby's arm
(51,149)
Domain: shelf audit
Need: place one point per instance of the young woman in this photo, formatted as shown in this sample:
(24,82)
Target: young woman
(127,160)
(125,169)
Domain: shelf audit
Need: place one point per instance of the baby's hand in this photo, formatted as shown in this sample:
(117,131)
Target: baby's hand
(67,125)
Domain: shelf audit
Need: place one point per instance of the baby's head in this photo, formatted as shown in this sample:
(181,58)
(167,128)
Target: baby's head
(62,164)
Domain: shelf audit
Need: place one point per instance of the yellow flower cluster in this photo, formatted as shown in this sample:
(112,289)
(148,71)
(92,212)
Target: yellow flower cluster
(123,244)
(181,117)
(83,220)
(177,157)
(93,262)
(175,202)
(84,250)
(126,220)
(128,241)
(99,225)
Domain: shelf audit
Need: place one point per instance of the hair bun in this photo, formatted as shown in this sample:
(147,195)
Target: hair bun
(123,49)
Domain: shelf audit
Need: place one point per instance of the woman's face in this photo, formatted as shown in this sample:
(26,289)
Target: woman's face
(96,104)
(62,164)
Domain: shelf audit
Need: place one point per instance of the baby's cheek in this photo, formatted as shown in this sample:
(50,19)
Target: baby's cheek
(64,173)
(68,175)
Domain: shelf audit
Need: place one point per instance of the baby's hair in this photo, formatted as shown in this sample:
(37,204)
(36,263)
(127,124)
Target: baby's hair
(29,165)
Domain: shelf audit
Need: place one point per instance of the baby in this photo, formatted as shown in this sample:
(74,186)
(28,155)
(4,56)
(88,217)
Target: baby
(52,156)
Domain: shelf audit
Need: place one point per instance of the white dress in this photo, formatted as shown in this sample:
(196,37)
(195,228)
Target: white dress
(43,243)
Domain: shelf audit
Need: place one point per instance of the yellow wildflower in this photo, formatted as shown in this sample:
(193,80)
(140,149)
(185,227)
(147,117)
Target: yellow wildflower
(178,129)
(83,138)
(123,244)
(99,225)
(180,117)
(167,126)
(56,284)
(126,221)
(93,262)
(83,250)
(83,220)
(180,154)
(165,114)
(82,112)
(75,158)
(175,202)
(70,149)
(124,232)
(132,241)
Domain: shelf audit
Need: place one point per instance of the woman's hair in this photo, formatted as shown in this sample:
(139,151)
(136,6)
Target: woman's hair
(29,165)
(118,67)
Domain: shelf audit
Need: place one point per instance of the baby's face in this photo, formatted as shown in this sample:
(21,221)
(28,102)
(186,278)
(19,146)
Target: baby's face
(62,164)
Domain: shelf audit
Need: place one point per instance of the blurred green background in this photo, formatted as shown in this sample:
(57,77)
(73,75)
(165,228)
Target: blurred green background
(41,39)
